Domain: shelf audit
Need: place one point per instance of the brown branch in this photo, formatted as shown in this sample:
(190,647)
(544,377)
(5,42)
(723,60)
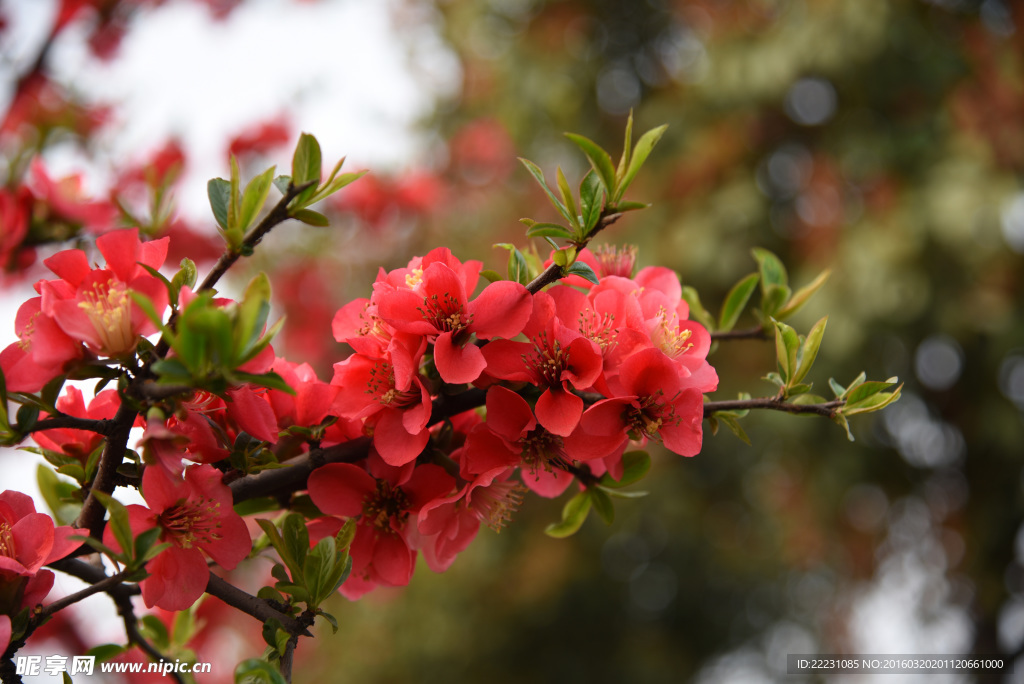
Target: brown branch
(755,333)
(277,215)
(285,480)
(121,594)
(554,271)
(101,585)
(60,421)
(252,605)
(828,409)
(91,516)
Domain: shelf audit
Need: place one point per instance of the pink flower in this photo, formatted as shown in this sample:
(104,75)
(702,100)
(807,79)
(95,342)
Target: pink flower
(28,541)
(92,305)
(438,308)
(554,358)
(656,405)
(392,397)
(383,502)
(195,515)
(79,443)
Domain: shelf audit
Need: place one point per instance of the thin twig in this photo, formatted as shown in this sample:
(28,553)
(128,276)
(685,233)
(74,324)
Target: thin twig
(277,215)
(253,605)
(755,333)
(554,271)
(62,421)
(91,516)
(827,409)
(121,594)
(99,586)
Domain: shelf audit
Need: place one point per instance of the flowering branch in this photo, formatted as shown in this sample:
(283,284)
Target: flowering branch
(554,271)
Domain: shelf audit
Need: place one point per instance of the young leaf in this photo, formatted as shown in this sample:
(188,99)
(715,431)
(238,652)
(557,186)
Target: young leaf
(635,465)
(311,218)
(738,297)
(603,505)
(730,421)
(574,513)
(599,159)
(539,177)
(627,147)
(583,270)
(772,270)
(306,162)
(219,192)
(697,310)
(548,230)
(254,197)
(119,524)
(591,198)
(801,296)
(643,149)
(787,342)
(809,350)
(569,200)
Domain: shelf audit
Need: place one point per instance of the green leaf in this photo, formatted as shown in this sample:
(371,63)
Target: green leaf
(603,505)
(155,631)
(518,270)
(697,310)
(809,350)
(643,149)
(491,275)
(254,197)
(233,200)
(306,163)
(874,402)
(840,419)
(600,160)
(547,230)
(539,177)
(866,389)
(311,218)
(573,514)
(801,296)
(787,342)
(591,199)
(105,652)
(282,183)
(736,300)
(252,314)
(635,464)
(570,201)
(330,619)
(732,422)
(623,207)
(256,671)
(219,192)
(296,538)
(581,269)
(119,522)
(187,274)
(772,270)
(627,148)
(270,380)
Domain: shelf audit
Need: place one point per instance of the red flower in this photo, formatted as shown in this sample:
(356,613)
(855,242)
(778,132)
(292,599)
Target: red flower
(554,358)
(79,443)
(438,308)
(28,541)
(383,502)
(389,393)
(92,305)
(657,405)
(195,515)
